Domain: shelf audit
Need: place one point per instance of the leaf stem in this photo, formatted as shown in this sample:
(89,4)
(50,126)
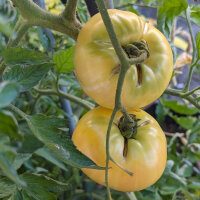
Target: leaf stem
(69,12)
(18,111)
(192,91)
(36,16)
(20,29)
(87,105)
(187,85)
(125,64)
(180,94)
(187,14)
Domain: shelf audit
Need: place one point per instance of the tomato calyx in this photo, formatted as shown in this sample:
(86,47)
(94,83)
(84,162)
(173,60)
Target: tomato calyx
(133,51)
(136,49)
(128,126)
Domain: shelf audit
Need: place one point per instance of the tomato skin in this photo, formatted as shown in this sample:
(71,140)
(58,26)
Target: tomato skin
(146,155)
(95,60)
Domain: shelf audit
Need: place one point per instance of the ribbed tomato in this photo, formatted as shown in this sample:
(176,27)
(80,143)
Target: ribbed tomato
(144,155)
(97,65)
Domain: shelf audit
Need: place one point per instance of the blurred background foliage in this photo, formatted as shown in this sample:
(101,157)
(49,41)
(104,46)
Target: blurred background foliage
(30,167)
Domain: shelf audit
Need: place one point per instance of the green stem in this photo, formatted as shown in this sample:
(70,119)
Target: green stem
(107,151)
(69,12)
(187,85)
(110,29)
(187,14)
(193,101)
(36,16)
(192,91)
(126,115)
(20,29)
(125,64)
(18,111)
(87,105)
(178,93)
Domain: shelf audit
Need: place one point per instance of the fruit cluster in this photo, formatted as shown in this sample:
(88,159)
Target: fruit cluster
(137,143)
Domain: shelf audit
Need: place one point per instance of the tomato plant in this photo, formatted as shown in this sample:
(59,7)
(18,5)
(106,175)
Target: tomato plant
(41,101)
(97,65)
(144,155)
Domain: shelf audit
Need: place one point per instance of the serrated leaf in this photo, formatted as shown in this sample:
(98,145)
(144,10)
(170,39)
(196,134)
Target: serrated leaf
(181,108)
(9,170)
(20,159)
(44,182)
(64,60)
(48,155)
(7,188)
(27,76)
(167,12)
(17,195)
(48,131)
(198,44)
(8,124)
(9,90)
(19,55)
(41,187)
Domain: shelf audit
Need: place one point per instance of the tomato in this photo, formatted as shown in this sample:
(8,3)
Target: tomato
(96,62)
(145,157)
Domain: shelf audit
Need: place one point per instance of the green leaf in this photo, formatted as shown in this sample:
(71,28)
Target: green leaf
(64,60)
(8,92)
(185,122)
(43,38)
(169,173)
(19,55)
(7,188)
(7,14)
(9,125)
(5,28)
(133,10)
(181,108)
(167,13)
(20,159)
(194,185)
(41,187)
(195,14)
(27,76)
(9,170)
(30,144)
(17,195)
(198,44)
(48,155)
(185,171)
(187,194)
(160,113)
(48,130)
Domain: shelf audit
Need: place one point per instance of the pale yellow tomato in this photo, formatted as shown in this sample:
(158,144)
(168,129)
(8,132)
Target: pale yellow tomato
(95,61)
(145,157)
